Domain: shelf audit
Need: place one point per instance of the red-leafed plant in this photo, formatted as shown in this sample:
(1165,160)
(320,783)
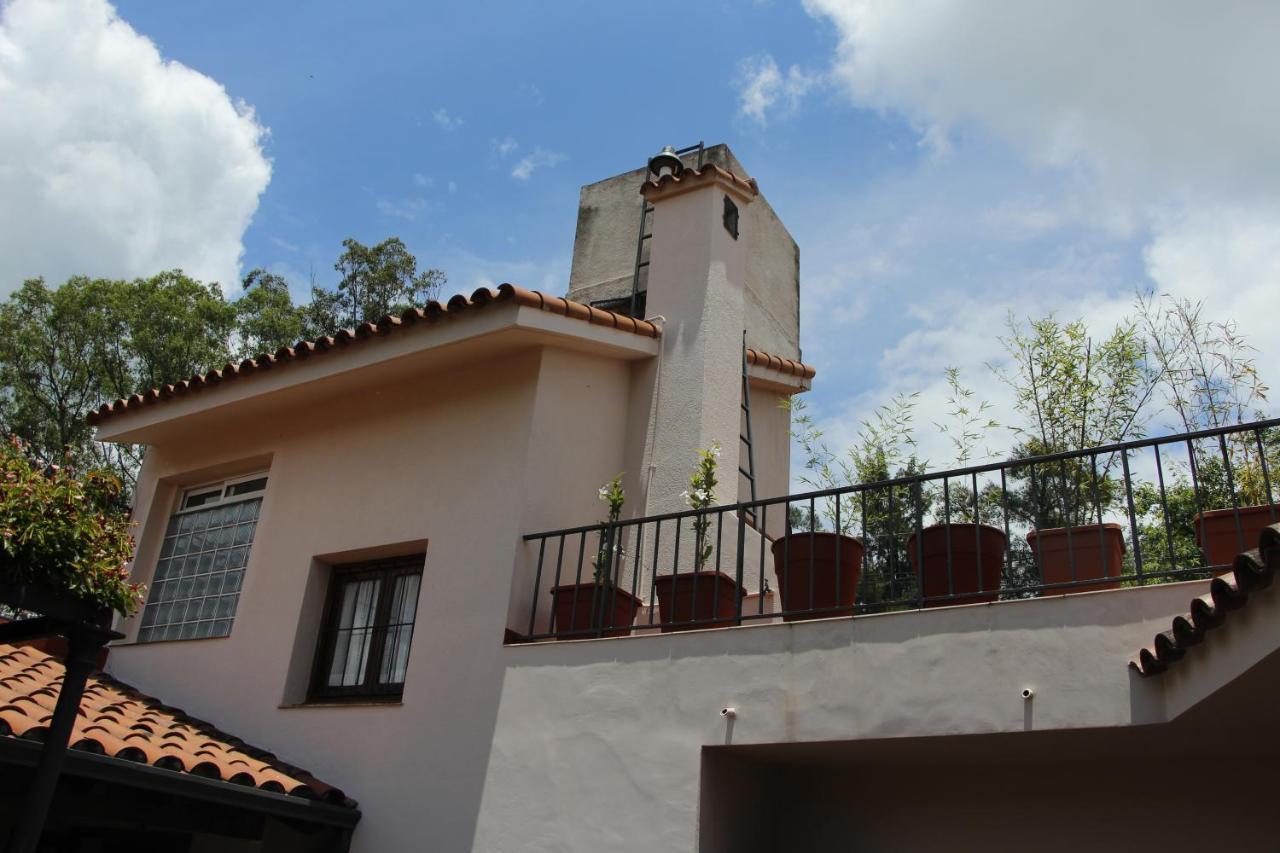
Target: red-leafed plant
(64,530)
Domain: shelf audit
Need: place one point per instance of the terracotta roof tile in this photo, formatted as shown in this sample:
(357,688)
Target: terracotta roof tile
(1251,572)
(431,313)
(784,365)
(693,177)
(118,721)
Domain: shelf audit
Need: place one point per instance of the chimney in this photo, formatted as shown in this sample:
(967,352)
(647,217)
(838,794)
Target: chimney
(697,284)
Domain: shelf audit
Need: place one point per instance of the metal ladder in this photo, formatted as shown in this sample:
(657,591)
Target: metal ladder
(745,436)
(646,233)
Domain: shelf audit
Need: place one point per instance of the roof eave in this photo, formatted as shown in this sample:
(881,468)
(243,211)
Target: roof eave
(499,329)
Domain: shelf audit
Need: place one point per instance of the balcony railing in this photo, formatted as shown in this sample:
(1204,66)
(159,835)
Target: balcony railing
(1155,510)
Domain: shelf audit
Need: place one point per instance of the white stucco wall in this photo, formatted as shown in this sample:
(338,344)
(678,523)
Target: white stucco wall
(597,743)
(464,462)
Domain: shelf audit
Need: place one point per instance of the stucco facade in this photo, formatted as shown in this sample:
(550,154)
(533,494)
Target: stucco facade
(608,231)
(457,437)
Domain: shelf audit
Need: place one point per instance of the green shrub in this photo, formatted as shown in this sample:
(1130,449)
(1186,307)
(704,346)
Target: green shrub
(66,530)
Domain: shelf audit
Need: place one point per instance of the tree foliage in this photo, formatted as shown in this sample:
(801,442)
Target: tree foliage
(1073,394)
(64,350)
(375,281)
(64,529)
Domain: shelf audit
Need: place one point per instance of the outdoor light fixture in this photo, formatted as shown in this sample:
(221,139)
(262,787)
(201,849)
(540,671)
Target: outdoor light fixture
(666,163)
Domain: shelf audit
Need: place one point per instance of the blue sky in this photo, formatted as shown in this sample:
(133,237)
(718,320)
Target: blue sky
(940,164)
(375,115)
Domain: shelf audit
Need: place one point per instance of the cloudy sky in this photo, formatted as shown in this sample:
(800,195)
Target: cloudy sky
(940,163)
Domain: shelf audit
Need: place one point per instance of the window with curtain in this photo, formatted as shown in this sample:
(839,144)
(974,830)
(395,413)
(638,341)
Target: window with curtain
(196,585)
(368,628)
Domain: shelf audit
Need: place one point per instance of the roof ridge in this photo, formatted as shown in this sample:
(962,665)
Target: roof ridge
(430,313)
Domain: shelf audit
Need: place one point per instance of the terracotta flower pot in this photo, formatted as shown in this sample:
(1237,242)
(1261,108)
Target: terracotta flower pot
(1216,531)
(977,557)
(1097,550)
(798,557)
(711,598)
(595,606)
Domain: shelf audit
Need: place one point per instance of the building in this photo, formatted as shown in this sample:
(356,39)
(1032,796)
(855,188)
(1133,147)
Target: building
(351,546)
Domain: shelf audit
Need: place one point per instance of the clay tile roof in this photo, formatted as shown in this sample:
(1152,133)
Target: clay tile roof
(1252,571)
(783,365)
(693,177)
(118,721)
(433,312)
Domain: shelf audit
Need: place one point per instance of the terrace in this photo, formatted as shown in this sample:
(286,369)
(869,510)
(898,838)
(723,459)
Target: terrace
(1150,511)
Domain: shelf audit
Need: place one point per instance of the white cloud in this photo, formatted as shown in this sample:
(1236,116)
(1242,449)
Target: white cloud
(421,180)
(1146,146)
(114,161)
(536,160)
(764,88)
(445,121)
(1162,100)
(532,93)
(503,148)
(410,209)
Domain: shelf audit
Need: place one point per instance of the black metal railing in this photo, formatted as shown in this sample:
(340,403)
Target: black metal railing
(1154,510)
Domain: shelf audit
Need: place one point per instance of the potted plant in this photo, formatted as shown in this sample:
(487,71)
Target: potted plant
(598,606)
(873,566)
(817,562)
(1064,502)
(1074,394)
(703,596)
(1210,380)
(64,541)
(1239,499)
(959,555)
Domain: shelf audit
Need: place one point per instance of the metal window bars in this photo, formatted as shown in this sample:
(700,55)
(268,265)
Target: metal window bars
(1153,510)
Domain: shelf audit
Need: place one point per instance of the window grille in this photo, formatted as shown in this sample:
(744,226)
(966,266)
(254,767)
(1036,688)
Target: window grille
(368,628)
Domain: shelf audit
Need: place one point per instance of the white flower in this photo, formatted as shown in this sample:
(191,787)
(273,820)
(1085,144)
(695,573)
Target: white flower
(715,451)
(604,493)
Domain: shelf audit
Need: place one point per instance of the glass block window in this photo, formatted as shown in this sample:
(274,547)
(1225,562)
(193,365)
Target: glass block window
(206,546)
(368,628)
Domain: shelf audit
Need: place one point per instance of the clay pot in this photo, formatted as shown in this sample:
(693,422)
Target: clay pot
(798,557)
(711,598)
(1217,535)
(977,557)
(596,606)
(1097,550)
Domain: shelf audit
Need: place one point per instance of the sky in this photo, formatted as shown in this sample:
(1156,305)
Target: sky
(941,164)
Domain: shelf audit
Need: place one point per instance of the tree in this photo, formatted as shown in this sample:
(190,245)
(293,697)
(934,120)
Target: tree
(376,280)
(64,351)
(49,372)
(266,318)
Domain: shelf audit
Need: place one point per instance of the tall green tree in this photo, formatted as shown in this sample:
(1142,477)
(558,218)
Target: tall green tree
(49,373)
(266,318)
(65,350)
(376,280)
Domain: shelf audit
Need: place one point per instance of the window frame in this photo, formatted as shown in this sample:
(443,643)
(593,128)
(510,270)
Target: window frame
(223,497)
(387,570)
(179,510)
